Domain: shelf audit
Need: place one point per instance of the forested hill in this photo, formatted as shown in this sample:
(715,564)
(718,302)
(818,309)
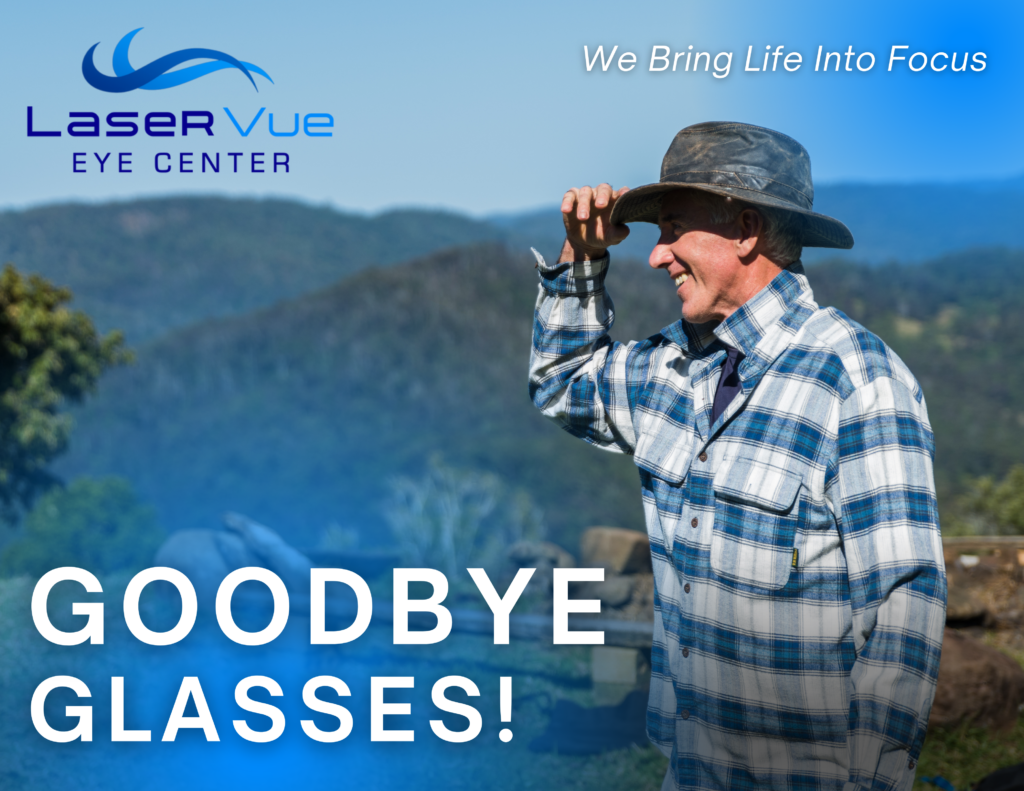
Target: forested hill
(958,323)
(147,266)
(299,414)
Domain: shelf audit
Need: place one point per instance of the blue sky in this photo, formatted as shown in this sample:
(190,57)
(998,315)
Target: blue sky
(486,107)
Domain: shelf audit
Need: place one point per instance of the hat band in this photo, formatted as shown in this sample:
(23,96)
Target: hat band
(747,181)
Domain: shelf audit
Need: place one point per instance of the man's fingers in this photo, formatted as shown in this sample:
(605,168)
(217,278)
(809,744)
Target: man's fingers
(603,194)
(586,212)
(583,205)
(569,200)
(586,198)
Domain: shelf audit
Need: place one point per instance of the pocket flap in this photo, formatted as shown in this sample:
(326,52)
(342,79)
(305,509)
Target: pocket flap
(669,464)
(666,451)
(748,563)
(757,483)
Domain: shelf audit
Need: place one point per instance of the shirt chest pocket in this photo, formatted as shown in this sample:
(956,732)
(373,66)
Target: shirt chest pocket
(756,518)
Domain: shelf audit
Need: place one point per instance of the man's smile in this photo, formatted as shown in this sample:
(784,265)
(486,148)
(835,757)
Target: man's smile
(678,273)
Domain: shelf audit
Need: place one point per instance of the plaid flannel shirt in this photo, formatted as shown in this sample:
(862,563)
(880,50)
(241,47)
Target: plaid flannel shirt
(799,580)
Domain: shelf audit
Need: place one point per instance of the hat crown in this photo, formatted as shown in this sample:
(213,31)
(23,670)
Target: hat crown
(758,166)
(743,156)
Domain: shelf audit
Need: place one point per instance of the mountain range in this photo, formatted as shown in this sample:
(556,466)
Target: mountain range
(149,266)
(293,359)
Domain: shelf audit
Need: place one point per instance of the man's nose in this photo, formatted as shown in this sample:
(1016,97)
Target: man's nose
(661,256)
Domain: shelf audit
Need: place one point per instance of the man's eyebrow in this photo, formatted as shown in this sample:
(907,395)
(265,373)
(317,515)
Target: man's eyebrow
(679,216)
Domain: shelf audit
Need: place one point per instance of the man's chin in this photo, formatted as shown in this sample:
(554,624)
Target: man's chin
(691,315)
(698,317)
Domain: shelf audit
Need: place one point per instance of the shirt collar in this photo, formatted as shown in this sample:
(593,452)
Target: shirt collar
(785,302)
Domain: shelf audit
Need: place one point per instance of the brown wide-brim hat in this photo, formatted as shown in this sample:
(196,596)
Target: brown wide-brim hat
(750,163)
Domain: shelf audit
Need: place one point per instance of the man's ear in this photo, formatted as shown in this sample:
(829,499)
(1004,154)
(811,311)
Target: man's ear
(750,229)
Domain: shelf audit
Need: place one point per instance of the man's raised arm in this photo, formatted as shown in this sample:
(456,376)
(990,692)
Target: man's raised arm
(578,375)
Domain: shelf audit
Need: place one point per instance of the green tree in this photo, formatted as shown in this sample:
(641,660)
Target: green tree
(49,356)
(993,508)
(96,524)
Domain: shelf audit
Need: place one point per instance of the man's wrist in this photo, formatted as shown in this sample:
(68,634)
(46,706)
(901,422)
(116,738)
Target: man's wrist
(576,252)
(571,275)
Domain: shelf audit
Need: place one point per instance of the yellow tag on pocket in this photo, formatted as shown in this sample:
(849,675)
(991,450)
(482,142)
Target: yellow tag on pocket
(796,554)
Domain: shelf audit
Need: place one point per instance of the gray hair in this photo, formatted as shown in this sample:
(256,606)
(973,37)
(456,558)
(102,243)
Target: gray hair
(783,230)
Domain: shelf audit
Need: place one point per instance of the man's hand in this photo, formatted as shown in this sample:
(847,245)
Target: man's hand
(588,233)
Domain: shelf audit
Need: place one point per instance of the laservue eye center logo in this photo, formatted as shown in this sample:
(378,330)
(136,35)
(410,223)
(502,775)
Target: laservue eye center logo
(169,71)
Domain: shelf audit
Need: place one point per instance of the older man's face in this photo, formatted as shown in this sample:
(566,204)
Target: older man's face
(700,257)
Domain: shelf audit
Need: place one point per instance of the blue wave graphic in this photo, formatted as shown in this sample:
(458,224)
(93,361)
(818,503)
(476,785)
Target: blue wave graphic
(157,75)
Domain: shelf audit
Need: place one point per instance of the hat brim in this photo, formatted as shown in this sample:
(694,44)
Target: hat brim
(644,203)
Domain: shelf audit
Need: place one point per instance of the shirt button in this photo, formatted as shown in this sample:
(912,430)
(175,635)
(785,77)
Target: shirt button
(686,652)
(686,588)
(693,522)
(685,714)
(703,456)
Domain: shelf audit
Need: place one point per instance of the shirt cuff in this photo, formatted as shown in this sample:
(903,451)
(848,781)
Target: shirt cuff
(572,277)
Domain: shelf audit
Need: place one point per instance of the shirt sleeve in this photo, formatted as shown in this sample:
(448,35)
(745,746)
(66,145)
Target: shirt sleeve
(579,377)
(884,494)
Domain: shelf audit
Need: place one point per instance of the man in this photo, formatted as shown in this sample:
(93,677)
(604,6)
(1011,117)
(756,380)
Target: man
(785,458)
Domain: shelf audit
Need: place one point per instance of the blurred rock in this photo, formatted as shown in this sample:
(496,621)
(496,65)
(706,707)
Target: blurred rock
(616,550)
(976,684)
(613,592)
(545,557)
(641,606)
(204,556)
(613,665)
(207,556)
(1009,778)
(275,553)
(963,606)
(540,555)
(1009,620)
